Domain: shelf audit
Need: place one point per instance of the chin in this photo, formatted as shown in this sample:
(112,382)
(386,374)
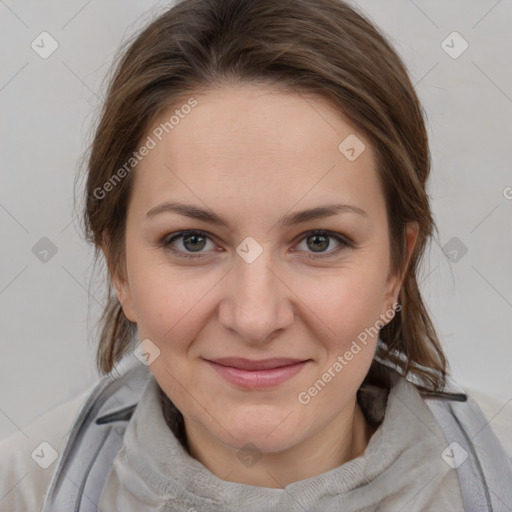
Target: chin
(268,431)
(260,442)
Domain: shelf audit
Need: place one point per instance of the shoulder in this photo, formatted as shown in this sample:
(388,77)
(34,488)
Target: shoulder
(497,412)
(29,456)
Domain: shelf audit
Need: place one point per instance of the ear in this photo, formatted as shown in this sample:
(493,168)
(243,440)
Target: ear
(124,295)
(394,281)
(120,283)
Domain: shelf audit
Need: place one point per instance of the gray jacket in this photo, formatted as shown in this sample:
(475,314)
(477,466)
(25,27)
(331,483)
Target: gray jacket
(473,451)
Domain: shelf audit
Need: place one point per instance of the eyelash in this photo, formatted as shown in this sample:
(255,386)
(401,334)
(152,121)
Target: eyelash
(343,241)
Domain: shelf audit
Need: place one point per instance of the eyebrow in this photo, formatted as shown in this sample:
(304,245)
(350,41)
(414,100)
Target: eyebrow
(293,219)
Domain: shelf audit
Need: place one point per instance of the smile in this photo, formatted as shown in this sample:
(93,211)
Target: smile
(257,374)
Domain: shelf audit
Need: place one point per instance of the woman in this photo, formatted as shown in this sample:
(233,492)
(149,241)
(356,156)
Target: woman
(257,185)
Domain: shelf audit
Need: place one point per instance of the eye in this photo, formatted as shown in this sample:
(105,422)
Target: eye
(318,241)
(194,241)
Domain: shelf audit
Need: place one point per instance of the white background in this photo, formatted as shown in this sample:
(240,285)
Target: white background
(48,107)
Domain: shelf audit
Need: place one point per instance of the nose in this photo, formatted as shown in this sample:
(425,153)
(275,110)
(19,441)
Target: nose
(257,304)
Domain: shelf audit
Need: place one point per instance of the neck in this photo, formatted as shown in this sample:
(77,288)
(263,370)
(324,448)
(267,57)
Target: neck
(343,439)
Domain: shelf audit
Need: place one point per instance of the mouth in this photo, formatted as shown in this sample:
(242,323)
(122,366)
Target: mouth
(248,373)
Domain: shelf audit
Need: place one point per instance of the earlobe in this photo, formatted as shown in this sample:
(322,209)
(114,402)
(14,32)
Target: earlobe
(119,283)
(124,296)
(411,233)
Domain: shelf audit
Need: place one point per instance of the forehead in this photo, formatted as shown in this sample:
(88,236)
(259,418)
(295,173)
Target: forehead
(252,146)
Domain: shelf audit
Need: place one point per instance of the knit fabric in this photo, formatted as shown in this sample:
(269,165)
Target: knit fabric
(401,468)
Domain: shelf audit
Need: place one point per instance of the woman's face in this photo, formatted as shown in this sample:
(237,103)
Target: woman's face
(252,172)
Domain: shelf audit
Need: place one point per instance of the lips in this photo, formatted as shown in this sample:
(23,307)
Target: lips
(253,374)
(252,365)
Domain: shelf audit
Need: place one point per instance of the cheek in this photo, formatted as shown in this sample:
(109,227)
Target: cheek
(162,307)
(350,307)
(347,302)
(170,303)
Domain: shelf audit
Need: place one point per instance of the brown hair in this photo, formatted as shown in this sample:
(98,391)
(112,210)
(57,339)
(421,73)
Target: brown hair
(322,47)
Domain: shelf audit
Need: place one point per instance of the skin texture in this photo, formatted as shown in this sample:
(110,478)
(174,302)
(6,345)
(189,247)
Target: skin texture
(253,154)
